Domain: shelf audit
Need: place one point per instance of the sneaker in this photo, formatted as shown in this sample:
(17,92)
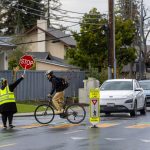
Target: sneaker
(11,126)
(5,127)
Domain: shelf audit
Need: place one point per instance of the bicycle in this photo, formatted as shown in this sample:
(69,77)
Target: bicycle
(44,113)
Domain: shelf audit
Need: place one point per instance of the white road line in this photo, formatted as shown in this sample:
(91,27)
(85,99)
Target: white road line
(115,139)
(79,138)
(144,140)
(6,145)
(74,132)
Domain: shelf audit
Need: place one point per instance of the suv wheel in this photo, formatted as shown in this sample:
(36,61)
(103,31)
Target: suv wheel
(143,111)
(133,113)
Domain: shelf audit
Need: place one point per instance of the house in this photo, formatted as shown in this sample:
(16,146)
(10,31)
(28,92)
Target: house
(5,47)
(48,47)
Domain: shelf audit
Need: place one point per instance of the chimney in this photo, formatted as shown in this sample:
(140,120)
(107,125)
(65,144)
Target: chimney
(41,36)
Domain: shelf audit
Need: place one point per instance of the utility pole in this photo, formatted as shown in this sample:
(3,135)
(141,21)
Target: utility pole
(141,41)
(111,50)
(48,13)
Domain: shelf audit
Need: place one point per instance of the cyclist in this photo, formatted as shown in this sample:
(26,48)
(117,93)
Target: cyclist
(58,97)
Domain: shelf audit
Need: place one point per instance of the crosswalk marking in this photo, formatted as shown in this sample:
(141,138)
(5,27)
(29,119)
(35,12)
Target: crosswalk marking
(32,126)
(139,126)
(65,126)
(106,125)
(6,145)
(100,125)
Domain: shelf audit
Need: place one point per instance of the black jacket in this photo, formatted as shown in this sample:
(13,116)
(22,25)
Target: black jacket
(10,107)
(56,85)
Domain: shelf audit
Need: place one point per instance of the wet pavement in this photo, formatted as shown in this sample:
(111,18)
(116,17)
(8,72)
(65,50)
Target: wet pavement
(115,132)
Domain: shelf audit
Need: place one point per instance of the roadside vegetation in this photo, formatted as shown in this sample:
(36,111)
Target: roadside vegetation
(25,108)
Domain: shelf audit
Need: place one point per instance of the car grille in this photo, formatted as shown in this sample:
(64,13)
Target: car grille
(114,109)
(107,99)
(148,98)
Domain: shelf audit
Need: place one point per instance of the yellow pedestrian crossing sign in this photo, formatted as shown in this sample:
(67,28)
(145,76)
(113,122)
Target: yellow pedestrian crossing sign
(94,106)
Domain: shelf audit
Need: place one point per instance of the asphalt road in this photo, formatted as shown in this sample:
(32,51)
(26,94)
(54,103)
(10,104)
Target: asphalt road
(116,132)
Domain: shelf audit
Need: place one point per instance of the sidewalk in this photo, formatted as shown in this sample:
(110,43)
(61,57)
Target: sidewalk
(32,113)
(24,114)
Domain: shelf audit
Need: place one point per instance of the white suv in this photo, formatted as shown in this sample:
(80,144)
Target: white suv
(122,95)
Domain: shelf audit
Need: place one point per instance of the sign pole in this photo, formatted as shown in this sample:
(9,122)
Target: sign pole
(94,107)
(24,72)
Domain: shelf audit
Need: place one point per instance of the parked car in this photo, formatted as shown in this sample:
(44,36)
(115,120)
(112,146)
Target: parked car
(145,84)
(122,95)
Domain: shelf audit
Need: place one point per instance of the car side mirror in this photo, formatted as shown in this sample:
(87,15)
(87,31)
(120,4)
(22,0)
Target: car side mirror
(138,89)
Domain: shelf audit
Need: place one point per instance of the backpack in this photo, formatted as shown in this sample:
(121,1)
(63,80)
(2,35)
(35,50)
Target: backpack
(63,83)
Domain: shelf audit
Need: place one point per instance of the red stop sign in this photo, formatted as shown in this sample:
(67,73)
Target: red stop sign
(26,61)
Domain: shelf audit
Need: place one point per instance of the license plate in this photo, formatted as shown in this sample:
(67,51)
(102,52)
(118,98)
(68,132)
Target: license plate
(110,104)
(148,100)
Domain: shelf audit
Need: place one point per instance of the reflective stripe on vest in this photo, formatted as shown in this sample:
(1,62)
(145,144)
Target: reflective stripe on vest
(6,96)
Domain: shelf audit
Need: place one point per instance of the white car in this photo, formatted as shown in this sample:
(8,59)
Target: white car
(122,95)
(145,84)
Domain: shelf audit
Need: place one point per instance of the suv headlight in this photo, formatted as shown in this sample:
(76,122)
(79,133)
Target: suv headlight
(129,101)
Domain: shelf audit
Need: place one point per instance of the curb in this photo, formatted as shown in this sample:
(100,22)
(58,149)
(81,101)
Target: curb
(24,115)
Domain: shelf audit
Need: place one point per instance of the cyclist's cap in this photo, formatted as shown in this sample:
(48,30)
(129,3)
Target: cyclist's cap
(49,72)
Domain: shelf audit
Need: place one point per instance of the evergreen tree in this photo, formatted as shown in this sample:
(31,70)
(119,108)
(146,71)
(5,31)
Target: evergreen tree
(92,43)
(19,15)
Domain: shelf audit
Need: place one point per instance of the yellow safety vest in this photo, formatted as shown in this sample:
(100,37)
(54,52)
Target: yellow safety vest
(6,96)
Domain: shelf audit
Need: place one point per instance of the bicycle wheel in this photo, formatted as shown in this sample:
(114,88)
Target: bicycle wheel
(75,113)
(44,114)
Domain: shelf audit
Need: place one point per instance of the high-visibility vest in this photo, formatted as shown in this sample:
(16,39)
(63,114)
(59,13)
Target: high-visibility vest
(6,96)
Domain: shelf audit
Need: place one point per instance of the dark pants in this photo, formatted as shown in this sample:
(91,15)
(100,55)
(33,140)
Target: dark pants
(5,116)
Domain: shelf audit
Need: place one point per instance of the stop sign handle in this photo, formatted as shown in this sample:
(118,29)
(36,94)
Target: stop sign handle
(24,72)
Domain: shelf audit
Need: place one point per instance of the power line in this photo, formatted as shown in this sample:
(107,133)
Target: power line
(31,8)
(26,12)
(34,1)
(51,30)
(69,35)
(75,12)
(74,17)
(52,18)
(65,16)
(5,42)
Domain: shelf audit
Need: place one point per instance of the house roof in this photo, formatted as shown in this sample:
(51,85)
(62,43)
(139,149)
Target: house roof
(39,55)
(45,57)
(58,35)
(5,43)
(57,63)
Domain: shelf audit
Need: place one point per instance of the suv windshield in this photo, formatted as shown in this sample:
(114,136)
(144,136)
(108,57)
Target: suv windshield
(117,85)
(145,85)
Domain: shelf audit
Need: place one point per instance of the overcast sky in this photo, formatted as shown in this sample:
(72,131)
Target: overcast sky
(84,6)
